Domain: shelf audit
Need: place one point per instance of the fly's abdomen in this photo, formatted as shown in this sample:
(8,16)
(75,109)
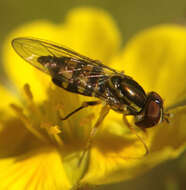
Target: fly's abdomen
(77,76)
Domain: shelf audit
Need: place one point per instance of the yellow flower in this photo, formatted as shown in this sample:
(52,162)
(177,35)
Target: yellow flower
(39,151)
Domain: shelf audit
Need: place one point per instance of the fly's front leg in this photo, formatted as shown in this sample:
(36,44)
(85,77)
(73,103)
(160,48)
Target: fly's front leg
(134,132)
(104,112)
(84,105)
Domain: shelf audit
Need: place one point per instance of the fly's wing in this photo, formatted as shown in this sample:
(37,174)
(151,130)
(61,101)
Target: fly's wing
(30,49)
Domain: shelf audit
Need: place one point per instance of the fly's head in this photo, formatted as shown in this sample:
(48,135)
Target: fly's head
(152,112)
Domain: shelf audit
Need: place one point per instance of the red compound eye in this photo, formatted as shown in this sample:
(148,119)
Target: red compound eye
(151,113)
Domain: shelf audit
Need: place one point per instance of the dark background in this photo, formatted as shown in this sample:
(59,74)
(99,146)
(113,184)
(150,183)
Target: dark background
(131,17)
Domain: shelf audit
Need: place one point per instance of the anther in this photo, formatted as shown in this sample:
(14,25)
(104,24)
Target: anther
(28,91)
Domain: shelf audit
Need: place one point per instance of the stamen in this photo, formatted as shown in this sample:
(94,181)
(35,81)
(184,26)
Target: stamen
(54,130)
(19,111)
(28,91)
(30,99)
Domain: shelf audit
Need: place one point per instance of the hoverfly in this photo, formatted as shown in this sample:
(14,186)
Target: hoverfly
(79,74)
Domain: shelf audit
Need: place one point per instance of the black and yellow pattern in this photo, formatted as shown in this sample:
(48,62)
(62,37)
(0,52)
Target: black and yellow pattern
(79,74)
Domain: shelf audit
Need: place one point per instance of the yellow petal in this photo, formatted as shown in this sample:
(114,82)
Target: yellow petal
(173,134)
(92,32)
(113,165)
(73,168)
(156,59)
(114,154)
(41,169)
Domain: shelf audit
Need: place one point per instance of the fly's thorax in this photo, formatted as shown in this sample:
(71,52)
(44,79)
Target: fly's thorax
(152,112)
(129,92)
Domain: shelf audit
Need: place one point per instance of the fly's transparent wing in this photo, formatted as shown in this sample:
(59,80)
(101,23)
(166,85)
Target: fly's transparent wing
(30,49)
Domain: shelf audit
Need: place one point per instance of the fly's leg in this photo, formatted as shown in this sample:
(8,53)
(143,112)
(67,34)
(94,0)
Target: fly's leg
(134,132)
(84,105)
(104,112)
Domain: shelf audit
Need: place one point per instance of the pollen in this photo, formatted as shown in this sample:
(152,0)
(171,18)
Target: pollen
(54,130)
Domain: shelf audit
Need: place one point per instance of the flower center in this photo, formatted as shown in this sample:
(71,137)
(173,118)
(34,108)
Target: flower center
(36,121)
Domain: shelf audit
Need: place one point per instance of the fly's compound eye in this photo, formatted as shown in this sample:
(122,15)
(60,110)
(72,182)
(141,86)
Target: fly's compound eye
(151,113)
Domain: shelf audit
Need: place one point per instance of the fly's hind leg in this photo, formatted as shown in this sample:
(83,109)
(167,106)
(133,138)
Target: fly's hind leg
(104,112)
(84,105)
(134,132)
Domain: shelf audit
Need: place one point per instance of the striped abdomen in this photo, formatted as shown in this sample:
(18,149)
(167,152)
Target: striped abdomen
(75,75)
